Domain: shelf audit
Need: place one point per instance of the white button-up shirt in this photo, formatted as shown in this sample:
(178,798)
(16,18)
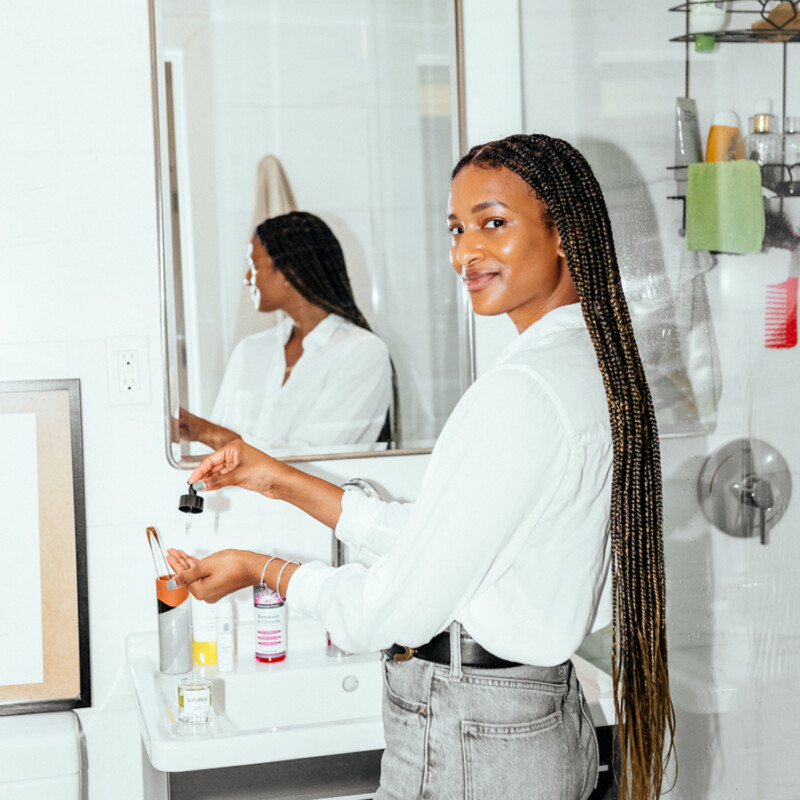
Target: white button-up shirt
(337,393)
(509,534)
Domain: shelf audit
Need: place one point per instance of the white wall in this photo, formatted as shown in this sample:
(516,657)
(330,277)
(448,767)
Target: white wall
(78,263)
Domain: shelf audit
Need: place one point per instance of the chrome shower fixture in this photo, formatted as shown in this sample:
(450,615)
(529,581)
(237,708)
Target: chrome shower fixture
(744,488)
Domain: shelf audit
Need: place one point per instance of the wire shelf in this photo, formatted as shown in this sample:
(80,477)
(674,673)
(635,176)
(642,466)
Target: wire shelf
(771,23)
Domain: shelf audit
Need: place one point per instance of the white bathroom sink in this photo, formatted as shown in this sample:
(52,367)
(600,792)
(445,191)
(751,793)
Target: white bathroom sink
(308,688)
(310,704)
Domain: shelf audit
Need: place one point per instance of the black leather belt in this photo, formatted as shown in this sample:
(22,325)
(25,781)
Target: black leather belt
(438,651)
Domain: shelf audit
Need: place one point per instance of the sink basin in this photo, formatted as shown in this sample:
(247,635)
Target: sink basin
(307,688)
(310,704)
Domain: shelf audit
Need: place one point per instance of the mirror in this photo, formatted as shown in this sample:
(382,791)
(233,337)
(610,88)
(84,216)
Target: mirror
(344,110)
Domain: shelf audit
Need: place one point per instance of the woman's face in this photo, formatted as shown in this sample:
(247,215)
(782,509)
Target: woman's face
(266,283)
(511,262)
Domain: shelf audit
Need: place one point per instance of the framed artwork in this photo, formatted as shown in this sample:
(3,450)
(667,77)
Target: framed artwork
(44,612)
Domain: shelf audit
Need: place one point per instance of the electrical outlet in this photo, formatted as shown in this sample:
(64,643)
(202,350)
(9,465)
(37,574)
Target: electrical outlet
(128,370)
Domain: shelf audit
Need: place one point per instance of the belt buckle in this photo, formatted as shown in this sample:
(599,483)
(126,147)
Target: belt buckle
(408,653)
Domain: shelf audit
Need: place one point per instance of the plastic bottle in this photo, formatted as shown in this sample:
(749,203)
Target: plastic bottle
(226,642)
(763,144)
(204,633)
(724,138)
(707,17)
(688,148)
(270,625)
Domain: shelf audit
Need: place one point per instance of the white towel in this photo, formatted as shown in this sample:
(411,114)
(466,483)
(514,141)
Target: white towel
(274,197)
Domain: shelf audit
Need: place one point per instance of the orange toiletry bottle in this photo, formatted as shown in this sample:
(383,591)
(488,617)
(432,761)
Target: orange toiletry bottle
(725,137)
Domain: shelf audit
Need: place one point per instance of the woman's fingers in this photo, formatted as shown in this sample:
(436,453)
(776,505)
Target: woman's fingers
(180,561)
(180,558)
(238,464)
(212,470)
(216,575)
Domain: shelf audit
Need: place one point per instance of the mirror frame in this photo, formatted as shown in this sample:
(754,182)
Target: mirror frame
(189,462)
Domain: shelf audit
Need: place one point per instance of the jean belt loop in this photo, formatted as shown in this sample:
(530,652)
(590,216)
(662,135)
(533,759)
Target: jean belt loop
(455,651)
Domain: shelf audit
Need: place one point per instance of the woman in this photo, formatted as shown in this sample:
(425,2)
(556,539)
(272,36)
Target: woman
(320,377)
(545,478)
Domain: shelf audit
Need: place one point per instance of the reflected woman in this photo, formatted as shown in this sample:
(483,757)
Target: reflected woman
(321,377)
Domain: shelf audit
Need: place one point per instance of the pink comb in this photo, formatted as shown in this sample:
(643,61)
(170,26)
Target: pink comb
(780,328)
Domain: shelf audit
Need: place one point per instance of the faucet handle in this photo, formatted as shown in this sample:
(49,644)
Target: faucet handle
(741,479)
(367,487)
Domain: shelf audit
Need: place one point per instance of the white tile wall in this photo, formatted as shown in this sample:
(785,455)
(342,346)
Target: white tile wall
(78,263)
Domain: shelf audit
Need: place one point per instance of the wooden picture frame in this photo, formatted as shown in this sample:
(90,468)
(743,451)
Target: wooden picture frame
(44,609)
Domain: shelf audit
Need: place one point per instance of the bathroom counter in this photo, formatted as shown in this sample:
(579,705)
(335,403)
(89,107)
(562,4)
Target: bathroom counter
(308,705)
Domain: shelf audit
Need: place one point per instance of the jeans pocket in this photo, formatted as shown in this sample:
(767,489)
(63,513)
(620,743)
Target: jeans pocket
(405,728)
(590,748)
(529,760)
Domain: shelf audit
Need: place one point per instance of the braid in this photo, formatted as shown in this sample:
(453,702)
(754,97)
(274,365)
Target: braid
(304,249)
(574,203)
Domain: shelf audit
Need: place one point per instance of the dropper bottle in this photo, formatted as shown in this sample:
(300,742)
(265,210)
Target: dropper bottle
(190,503)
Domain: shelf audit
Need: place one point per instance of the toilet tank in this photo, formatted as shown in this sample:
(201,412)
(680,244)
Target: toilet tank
(40,757)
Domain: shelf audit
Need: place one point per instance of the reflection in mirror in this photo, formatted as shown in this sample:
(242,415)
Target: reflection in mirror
(342,110)
(318,378)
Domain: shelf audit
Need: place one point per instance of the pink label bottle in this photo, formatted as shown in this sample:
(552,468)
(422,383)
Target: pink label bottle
(270,625)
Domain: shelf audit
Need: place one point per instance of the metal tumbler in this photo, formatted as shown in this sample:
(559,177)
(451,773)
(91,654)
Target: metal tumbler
(174,628)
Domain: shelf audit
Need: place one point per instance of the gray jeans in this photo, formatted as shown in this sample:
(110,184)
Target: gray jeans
(453,733)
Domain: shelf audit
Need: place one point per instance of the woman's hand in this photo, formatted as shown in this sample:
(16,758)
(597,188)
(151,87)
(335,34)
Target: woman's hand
(192,428)
(239,464)
(217,575)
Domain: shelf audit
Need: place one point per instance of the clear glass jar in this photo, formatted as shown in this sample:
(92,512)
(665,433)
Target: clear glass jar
(763,145)
(195,703)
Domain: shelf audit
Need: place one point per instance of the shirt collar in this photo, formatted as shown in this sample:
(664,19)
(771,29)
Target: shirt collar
(322,332)
(559,319)
(285,329)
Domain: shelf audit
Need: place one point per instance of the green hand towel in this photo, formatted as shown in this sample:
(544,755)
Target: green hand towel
(724,207)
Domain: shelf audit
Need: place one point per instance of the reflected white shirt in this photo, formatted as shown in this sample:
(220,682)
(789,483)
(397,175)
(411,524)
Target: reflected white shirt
(509,534)
(337,393)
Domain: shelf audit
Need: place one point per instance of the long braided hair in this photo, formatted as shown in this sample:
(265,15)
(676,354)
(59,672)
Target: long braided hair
(306,251)
(573,202)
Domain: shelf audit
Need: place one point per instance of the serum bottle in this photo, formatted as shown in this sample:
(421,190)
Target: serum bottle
(269,613)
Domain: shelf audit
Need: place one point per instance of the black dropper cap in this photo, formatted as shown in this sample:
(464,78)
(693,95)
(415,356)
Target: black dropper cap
(191,503)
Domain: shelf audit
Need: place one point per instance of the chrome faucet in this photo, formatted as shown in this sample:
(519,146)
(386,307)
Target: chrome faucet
(338,548)
(744,488)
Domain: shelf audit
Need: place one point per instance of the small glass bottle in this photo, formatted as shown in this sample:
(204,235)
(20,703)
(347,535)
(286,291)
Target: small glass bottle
(194,698)
(763,144)
(270,625)
(791,157)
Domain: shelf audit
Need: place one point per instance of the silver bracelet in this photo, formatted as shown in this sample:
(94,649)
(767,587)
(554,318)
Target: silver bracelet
(280,574)
(264,571)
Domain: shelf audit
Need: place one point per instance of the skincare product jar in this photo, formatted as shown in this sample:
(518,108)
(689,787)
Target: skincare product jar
(194,699)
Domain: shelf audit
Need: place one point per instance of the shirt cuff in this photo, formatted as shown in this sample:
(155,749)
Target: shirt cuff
(304,587)
(359,512)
